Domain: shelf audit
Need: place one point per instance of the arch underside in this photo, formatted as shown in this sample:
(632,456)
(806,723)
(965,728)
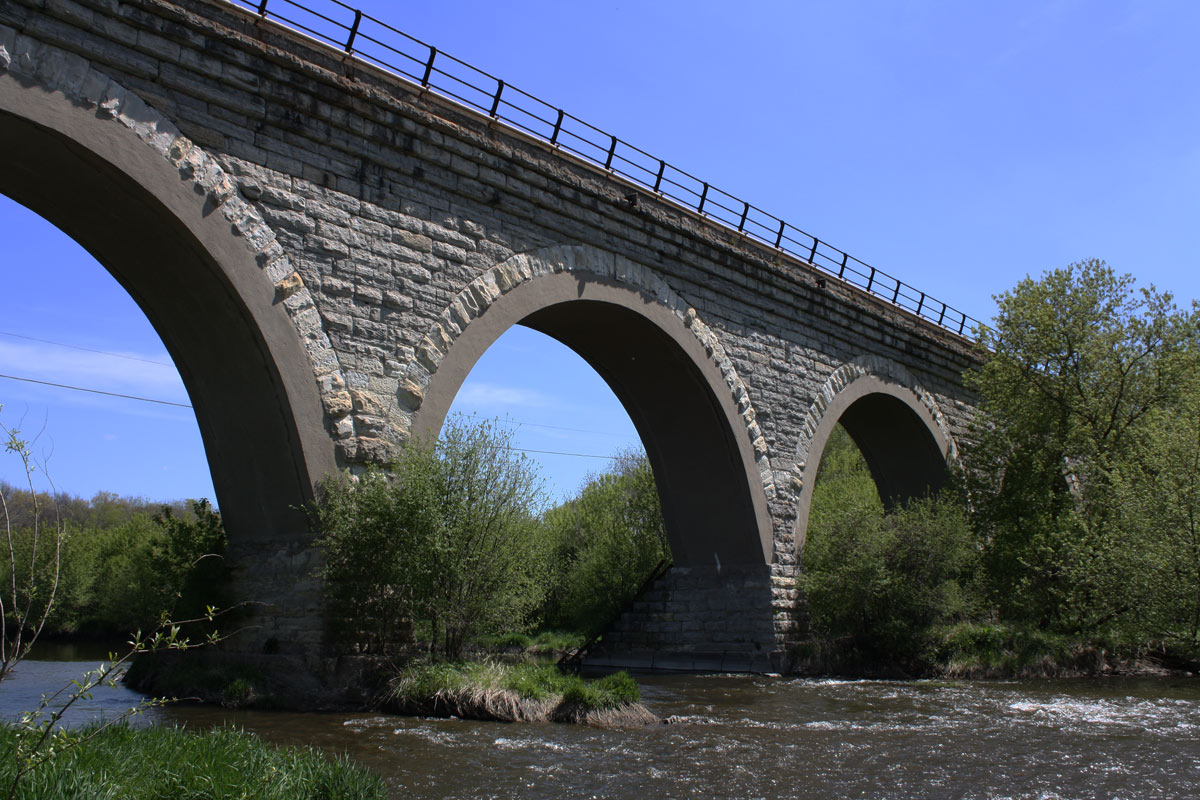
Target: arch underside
(247,376)
(713,504)
(896,426)
(900,451)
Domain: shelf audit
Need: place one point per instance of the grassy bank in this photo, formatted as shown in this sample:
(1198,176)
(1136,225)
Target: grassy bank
(132,763)
(989,650)
(1001,651)
(516,693)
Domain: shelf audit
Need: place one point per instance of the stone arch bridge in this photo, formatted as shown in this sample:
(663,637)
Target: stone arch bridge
(326,249)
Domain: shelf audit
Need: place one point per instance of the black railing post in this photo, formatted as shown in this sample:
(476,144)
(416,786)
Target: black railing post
(353,31)
(812,254)
(779,237)
(896,294)
(703,197)
(612,148)
(662,165)
(920,304)
(962,324)
(496,99)
(742,221)
(842,271)
(942,316)
(429,67)
(557,127)
(262,8)
(871,280)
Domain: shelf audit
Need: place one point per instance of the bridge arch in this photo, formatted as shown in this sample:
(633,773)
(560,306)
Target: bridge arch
(894,421)
(663,363)
(166,221)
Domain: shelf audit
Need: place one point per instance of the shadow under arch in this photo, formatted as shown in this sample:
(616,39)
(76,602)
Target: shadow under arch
(713,503)
(905,444)
(198,282)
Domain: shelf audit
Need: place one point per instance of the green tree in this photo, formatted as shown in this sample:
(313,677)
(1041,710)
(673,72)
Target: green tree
(1080,362)
(608,541)
(442,545)
(876,583)
(1156,494)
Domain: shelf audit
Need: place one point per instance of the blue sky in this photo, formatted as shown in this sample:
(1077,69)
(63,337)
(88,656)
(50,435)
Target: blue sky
(959,146)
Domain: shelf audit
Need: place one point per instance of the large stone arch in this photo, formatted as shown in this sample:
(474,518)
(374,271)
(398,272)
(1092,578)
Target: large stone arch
(895,422)
(165,220)
(665,365)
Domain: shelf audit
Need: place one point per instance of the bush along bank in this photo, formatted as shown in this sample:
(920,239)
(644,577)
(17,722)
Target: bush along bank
(516,693)
(989,650)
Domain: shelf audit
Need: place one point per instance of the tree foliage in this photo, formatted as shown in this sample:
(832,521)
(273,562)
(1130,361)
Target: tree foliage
(121,562)
(608,541)
(877,582)
(1084,402)
(441,545)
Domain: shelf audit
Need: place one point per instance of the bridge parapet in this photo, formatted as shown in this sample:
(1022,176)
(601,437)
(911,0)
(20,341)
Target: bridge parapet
(375,42)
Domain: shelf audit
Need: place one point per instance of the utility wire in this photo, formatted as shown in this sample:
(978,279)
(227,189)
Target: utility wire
(97,391)
(185,405)
(522,423)
(85,349)
(557,453)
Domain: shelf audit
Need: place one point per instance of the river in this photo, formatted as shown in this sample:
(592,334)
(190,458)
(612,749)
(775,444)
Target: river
(759,737)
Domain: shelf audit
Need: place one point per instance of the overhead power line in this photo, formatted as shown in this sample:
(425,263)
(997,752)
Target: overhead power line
(97,391)
(522,423)
(185,405)
(86,349)
(557,453)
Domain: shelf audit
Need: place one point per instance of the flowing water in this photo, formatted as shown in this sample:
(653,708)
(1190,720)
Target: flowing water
(748,737)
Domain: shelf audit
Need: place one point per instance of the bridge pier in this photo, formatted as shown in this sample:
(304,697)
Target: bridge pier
(735,618)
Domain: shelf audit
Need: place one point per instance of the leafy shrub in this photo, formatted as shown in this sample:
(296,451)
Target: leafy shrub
(875,581)
(442,545)
(608,541)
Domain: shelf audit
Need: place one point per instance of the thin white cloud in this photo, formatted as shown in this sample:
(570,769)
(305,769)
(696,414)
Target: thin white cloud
(474,395)
(93,370)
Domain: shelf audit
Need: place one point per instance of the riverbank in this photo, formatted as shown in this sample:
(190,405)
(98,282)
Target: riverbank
(990,651)
(135,763)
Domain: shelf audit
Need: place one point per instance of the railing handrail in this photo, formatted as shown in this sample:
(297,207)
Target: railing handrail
(361,37)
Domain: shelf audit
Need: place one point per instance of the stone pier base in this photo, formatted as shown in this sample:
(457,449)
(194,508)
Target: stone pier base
(703,619)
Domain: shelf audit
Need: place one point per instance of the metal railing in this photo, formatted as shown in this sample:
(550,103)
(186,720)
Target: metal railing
(374,42)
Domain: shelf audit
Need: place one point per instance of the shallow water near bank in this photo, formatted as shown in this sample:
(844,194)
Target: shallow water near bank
(747,737)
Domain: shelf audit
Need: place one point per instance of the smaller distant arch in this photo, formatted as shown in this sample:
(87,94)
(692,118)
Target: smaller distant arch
(894,421)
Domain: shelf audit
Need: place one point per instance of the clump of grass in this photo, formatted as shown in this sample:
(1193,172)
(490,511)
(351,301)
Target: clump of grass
(557,642)
(135,763)
(516,693)
(610,691)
